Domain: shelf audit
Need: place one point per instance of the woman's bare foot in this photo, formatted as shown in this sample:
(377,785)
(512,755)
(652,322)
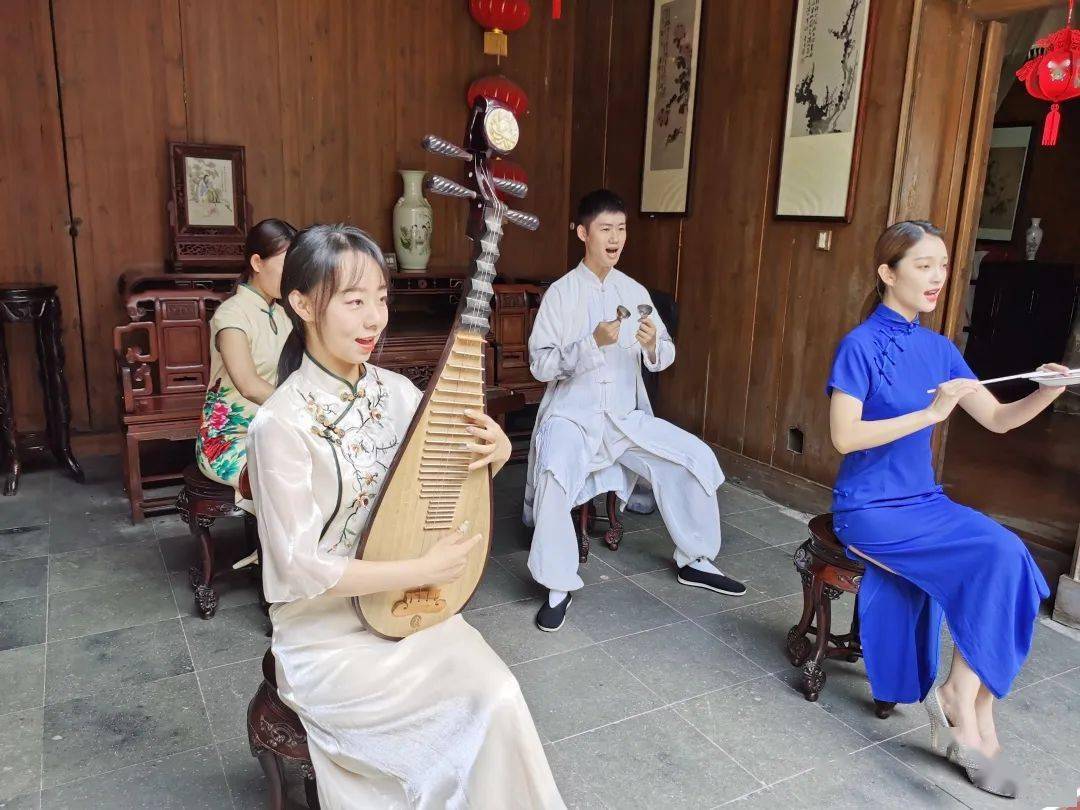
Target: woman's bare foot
(962,718)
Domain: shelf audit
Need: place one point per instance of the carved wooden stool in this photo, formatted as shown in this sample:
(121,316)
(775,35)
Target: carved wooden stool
(585,518)
(276,734)
(37,304)
(200,503)
(826,573)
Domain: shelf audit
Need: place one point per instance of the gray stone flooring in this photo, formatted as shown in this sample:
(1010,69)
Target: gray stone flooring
(114,694)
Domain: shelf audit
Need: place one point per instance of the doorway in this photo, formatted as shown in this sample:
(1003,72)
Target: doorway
(1006,312)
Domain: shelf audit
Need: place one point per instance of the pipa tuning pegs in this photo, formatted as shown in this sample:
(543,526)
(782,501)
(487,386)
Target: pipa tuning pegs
(441,146)
(515,188)
(529,222)
(448,188)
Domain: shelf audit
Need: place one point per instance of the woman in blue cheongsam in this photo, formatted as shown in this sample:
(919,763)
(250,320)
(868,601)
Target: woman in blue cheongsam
(931,558)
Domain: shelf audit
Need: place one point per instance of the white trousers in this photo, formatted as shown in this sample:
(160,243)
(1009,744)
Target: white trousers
(690,513)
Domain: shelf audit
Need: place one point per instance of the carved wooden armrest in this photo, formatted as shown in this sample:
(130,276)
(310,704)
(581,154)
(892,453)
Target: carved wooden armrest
(136,379)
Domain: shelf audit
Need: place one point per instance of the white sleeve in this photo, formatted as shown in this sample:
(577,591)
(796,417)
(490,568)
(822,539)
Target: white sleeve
(551,359)
(290,521)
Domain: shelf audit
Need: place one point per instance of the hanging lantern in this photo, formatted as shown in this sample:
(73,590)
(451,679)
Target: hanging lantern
(501,89)
(498,17)
(506,170)
(1053,74)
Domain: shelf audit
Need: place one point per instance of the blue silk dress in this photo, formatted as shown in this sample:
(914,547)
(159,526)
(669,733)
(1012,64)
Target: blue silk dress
(947,559)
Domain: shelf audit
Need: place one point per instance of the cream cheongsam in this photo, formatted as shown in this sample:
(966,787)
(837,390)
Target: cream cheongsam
(433,721)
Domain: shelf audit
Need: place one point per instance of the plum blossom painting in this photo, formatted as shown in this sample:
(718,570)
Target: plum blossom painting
(670,110)
(820,148)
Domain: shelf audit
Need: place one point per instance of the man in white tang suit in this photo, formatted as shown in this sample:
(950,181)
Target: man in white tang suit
(595,431)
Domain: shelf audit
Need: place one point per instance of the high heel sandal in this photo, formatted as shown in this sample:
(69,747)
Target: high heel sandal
(939,723)
(984,773)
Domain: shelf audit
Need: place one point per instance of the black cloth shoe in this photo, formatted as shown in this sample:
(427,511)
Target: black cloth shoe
(713,582)
(550,619)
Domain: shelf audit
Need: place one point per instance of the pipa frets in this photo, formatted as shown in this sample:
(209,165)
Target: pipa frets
(429,488)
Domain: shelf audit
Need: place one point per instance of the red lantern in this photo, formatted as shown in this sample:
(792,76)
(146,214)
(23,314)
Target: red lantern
(506,170)
(498,17)
(1053,74)
(500,88)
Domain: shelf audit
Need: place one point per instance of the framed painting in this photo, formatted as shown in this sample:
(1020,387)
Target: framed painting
(669,116)
(208,204)
(1006,172)
(823,114)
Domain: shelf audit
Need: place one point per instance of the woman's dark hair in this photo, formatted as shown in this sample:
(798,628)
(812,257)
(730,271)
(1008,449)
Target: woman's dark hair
(266,239)
(321,260)
(891,247)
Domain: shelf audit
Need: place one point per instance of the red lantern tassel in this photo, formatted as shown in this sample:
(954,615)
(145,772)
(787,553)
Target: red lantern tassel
(556,9)
(1051,126)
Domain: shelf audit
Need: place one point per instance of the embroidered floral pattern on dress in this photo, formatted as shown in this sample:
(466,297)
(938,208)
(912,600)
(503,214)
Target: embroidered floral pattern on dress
(365,441)
(221,441)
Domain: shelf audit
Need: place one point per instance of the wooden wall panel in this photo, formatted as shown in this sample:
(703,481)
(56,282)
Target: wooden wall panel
(329,97)
(542,62)
(932,159)
(652,248)
(761,310)
(593,31)
(123,99)
(33,201)
(828,293)
(743,72)
(233,83)
(313,49)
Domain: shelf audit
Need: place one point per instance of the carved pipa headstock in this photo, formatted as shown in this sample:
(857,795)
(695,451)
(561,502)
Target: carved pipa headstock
(492,130)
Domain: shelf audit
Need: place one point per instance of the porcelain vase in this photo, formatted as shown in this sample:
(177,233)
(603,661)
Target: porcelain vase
(412,224)
(1033,238)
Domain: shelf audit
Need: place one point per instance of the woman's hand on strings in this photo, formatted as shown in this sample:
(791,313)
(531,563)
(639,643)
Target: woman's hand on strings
(447,559)
(948,395)
(492,445)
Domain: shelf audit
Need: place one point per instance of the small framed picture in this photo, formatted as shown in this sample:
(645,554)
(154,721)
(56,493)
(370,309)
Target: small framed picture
(669,114)
(1006,172)
(208,203)
(823,116)
(390,259)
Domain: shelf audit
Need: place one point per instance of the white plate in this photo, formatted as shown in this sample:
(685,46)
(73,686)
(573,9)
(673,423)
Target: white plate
(1063,380)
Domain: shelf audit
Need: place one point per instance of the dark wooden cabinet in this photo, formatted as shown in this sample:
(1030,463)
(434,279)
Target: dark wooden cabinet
(1022,316)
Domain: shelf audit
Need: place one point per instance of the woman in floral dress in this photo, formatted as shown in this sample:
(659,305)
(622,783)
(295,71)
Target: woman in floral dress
(246,336)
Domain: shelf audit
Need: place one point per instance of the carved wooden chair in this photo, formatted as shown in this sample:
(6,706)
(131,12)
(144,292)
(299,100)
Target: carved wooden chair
(163,362)
(276,735)
(586,519)
(201,502)
(827,573)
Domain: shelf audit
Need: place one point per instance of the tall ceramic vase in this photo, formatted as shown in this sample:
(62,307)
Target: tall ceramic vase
(1033,238)
(412,225)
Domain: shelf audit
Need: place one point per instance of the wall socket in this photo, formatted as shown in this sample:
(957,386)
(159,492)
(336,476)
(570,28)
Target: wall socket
(824,240)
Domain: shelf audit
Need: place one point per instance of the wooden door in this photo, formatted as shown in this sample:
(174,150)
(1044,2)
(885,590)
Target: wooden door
(116,146)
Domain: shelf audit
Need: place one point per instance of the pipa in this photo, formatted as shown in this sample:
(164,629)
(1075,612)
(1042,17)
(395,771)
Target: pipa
(429,490)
